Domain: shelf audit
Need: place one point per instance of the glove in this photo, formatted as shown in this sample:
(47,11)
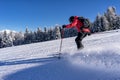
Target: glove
(63,26)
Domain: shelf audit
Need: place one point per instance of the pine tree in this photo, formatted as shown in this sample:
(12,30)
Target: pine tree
(27,36)
(39,35)
(111,17)
(7,40)
(1,43)
(45,35)
(97,24)
(105,23)
(57,32)
(50,34)
(118,22)
(19,39)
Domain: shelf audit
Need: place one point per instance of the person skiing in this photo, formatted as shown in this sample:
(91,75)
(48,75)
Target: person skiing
(81,29)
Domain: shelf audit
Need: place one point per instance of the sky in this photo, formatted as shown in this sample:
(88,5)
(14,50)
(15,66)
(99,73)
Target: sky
(19,14)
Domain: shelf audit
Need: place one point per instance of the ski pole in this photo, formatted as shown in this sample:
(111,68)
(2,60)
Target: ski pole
(62,33)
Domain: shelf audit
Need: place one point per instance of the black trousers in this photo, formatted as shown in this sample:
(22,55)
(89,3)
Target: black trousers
(79,39)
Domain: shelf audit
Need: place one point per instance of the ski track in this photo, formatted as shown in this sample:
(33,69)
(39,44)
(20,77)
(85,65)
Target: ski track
(101,53)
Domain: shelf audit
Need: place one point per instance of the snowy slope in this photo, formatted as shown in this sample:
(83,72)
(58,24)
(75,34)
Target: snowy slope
(99,60)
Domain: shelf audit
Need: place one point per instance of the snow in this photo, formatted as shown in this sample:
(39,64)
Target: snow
(99,60)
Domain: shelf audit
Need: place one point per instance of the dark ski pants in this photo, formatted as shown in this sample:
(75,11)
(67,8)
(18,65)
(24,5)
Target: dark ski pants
(79,39)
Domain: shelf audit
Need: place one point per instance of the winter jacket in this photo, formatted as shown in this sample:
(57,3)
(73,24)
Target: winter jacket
(78,25)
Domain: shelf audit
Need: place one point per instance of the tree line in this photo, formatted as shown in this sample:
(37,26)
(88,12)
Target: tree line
(108,21)
(18,38)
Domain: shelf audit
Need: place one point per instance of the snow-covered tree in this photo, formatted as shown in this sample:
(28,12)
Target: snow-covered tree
(7,40)
(111,16)
(39,35)
(50,34)
(109,21)
(117,22)
(1,42)
(27,37)
(104,23)
(69,32)
(45,35)
(57,32)
(97,24)
(18,39)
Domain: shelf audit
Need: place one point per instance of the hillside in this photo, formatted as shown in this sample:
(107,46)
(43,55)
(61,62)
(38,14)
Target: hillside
(99,60)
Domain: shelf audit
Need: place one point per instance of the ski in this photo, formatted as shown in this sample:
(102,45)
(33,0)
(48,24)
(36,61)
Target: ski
(57,55)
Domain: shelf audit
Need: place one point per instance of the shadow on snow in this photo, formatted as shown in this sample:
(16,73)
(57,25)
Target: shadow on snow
(54,70)
(38,60)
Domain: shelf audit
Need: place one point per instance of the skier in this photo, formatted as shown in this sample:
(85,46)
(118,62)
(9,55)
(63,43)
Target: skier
(81,29)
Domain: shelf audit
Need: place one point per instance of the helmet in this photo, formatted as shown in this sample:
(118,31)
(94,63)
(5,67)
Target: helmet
(71,19)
